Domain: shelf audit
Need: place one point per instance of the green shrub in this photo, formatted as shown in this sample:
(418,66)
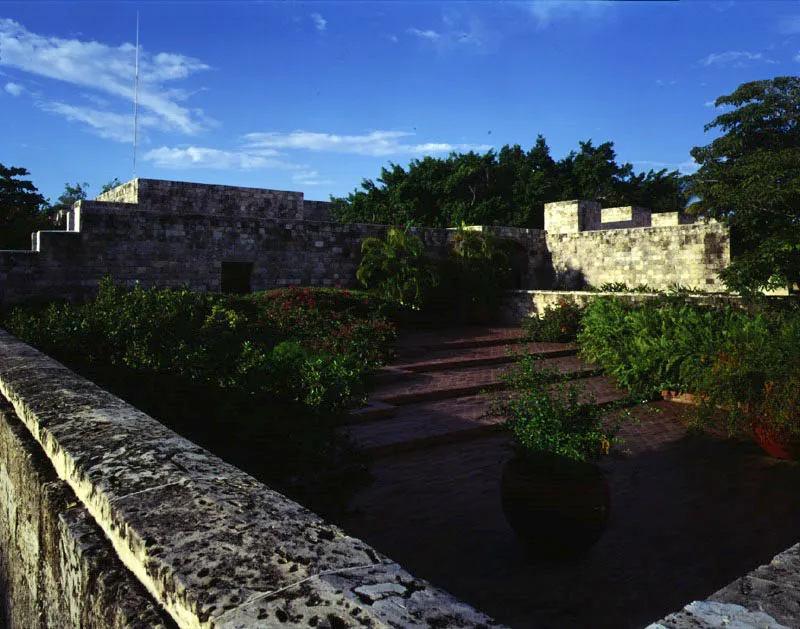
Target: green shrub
(751,376)
(397,268)
(559,323)
(654,345)
(550,418)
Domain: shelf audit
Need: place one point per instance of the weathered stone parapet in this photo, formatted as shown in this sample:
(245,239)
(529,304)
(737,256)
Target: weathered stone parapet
(180,197)
(521,304)
(767,597)
(571,217)
(689,255)
(624,217)
(212,545)
(668,219)
(57,569)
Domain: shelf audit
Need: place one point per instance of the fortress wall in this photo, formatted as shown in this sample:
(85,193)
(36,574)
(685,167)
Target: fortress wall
(689,255)
(172,249)
(143,528)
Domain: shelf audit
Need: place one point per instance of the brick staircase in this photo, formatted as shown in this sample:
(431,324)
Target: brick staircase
(436,391)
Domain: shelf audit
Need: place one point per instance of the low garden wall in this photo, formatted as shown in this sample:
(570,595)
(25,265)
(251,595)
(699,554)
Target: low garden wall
(520,304)
(109,519)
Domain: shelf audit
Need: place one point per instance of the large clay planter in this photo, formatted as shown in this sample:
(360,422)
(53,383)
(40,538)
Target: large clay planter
(557,511)
(775,445)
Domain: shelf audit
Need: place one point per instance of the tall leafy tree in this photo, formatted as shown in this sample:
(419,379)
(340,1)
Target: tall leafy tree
(22,209)
(68,198)
(505,187)
(749,179)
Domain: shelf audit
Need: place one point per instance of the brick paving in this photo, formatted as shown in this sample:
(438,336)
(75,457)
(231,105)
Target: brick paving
(465,380)
(689,515)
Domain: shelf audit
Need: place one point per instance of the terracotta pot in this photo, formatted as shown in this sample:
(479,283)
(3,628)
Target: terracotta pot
(776,445)
(557,511)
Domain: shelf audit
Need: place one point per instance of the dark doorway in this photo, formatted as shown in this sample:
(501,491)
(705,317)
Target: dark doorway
(236,277)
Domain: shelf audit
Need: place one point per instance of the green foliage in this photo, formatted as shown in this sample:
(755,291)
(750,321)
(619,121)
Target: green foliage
(22,209)
(110,185)
(558,323)
(475,275)
(622,287)
(654,345)
(749,179)
(552,420)
(751,376)
(397,268)
(276,343)
(505,187)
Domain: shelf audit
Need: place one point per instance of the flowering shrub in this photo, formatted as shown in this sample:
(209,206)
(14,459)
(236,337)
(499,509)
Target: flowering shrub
(261,379)
(327,321)
(557,324)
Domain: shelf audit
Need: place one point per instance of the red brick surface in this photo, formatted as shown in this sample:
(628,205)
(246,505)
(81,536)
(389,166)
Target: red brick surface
(689,513)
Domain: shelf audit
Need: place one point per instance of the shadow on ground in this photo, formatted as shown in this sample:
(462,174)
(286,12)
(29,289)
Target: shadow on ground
(689,515)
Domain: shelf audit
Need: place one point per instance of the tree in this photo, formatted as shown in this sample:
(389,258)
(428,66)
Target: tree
(22,209)
(110,185)
(68,198)
(749,179)
(507,187)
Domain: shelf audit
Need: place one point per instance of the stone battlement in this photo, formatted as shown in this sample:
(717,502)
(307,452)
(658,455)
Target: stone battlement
(571,217)
(218,238)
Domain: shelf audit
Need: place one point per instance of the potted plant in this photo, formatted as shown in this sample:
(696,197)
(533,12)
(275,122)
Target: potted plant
(553,493)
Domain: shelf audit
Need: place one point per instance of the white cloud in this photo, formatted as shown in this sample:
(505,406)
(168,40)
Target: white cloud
(732,56)
(709,103)
(319,22)
(392,38)
(201,157)
(686,167)
(429,34)
(106,124)
(106,69)
(546,12)
(15,89)
(310,178)
(375,144)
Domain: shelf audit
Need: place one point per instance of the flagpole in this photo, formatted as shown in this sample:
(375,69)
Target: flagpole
(136,98)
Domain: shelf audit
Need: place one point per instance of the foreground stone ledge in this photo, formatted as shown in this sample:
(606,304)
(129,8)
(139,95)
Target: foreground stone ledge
(213,546)
(57,569)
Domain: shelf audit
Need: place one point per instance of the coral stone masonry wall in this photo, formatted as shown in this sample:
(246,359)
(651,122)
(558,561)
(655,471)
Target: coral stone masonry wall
(690,255)
(170,233)
(192,536)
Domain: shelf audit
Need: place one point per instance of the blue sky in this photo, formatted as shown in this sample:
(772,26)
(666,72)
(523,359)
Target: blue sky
(316,96)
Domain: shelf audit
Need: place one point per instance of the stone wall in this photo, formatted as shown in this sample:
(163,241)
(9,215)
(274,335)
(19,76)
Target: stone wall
(521,304)
(173,233)
(198,538)
(690,255)
(624,217)
(171,249)
(57,569)
(316,210)
(571,217)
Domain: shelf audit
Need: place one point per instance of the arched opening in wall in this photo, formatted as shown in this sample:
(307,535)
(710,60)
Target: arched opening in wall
(236,277)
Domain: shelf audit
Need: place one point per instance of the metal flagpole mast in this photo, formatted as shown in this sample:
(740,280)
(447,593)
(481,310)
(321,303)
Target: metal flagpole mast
(136,97)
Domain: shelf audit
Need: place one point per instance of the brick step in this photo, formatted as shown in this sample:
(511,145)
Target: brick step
(414,345)
(486,355)
(430,424)
(437,385)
